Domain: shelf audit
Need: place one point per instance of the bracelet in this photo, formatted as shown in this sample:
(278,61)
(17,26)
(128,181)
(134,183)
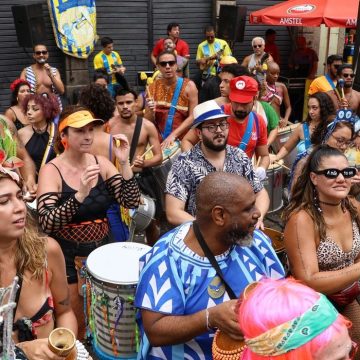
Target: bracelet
(208,325)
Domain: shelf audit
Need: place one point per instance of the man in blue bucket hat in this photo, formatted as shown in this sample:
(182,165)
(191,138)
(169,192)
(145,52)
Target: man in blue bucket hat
(211,154)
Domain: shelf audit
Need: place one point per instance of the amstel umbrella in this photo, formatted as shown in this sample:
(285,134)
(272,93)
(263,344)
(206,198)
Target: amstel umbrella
(332,13)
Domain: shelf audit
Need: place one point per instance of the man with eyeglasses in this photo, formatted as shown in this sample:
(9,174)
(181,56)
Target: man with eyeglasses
(42,77)
(328,81)
(210,52)
(256,61)
(170,101)
(211,154)
(344,96)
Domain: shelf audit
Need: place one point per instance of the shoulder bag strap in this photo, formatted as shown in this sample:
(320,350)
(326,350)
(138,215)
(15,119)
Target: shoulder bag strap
(212,259)
(171,113)
(135,138)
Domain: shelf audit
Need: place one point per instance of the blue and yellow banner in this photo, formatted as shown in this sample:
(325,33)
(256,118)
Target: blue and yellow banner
(74,25)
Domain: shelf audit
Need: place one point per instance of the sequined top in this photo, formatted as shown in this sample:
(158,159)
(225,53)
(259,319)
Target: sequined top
(331,257)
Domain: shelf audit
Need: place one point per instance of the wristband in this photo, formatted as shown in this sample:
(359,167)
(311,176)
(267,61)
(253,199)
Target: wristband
(208,325)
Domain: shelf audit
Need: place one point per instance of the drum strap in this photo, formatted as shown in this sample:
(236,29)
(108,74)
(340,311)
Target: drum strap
(171,113)
(247,135)
(306,135)
(212,259)
(135,138)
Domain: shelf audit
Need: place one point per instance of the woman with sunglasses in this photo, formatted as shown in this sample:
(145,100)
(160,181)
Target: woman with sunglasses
(321,111)
(72,207)
(19,89)
(38,137)
(42,300)
(42,77)
(337,134)
(298,307)
(321,236)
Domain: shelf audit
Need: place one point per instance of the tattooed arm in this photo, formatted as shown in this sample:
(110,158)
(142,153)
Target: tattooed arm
(64,315)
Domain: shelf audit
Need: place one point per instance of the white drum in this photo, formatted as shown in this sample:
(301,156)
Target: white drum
(282,137)
(274,186)
(144,214)
(113,273)
(32,208)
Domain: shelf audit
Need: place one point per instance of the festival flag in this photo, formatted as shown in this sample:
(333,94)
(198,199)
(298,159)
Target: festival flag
(74,25)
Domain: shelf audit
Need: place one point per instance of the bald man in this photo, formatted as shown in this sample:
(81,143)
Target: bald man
(181,296)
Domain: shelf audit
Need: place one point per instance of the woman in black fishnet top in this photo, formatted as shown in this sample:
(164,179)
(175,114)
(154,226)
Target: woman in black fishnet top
(75,191)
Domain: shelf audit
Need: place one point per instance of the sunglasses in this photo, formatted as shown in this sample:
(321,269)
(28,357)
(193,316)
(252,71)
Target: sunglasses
(257,46)
(165,63)
(213,127)
(347,173)
(42,52)
(348,75)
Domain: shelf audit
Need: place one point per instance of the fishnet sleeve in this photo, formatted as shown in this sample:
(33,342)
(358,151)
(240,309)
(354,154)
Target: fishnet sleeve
(125,192)
(52,215)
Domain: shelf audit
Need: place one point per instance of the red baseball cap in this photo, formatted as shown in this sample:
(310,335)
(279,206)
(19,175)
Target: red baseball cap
(243,89)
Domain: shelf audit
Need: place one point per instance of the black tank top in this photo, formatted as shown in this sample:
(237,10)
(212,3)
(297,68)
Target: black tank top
(95,204)
(36,147)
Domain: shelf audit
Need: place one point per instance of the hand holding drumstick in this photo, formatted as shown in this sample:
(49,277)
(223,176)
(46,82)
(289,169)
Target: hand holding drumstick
(139,162)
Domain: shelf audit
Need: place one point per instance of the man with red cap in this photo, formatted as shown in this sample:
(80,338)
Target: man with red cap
(247,130)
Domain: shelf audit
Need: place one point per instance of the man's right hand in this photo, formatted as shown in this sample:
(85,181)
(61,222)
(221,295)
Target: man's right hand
(38,350)
(224,317)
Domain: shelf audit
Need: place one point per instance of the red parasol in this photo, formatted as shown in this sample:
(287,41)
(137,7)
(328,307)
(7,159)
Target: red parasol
(332,13)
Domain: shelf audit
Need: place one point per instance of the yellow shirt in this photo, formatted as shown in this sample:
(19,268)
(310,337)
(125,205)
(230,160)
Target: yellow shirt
(205,49)
(112,58)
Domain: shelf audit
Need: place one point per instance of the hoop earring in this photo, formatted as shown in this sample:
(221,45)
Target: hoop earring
(316,201)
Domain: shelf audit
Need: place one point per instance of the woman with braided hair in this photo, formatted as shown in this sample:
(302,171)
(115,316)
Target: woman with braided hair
(322,237)
(72,206)
(42,301)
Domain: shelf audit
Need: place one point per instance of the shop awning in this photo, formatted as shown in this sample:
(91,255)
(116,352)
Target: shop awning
(332,13)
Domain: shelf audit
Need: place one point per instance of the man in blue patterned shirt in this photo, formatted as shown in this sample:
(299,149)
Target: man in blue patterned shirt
(210,154)
(181,296)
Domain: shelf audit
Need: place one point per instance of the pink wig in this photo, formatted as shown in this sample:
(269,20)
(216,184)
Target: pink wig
(48,103)
(274,302)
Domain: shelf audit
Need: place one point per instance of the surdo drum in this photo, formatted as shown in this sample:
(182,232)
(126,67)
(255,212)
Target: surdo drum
(274,186)
(112,276)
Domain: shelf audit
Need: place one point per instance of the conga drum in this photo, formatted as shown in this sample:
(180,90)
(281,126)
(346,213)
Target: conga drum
(274,186)
(113,274)
(282,137)
(226,348)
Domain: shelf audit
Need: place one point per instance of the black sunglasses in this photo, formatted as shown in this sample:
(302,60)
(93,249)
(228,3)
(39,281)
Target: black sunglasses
(347,173)
(257,46)
(42,52)
(348,75)
(165,63)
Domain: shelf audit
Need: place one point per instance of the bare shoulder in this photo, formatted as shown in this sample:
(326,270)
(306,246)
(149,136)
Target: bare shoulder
(149,125)
(300,219)
(191,86)
(53,248)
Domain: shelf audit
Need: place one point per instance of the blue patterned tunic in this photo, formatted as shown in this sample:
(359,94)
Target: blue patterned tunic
(176,281)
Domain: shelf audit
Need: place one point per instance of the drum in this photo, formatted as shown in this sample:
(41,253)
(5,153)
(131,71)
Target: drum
(226,348)
(170,154)
(31,206)
(277,241)
(282,137)
(144,214)
(274,186)
(112,276)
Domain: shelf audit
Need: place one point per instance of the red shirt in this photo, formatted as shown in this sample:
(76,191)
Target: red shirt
(237,131)
(182,48)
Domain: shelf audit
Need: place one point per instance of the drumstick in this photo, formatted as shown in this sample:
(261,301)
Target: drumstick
(280,164)
(148,150)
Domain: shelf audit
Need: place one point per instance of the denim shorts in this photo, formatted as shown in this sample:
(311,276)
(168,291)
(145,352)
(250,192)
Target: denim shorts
(71,249)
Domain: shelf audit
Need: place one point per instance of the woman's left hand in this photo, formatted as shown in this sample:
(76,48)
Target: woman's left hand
(121,148)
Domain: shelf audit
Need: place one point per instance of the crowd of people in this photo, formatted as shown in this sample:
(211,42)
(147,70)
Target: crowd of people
(199,149)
